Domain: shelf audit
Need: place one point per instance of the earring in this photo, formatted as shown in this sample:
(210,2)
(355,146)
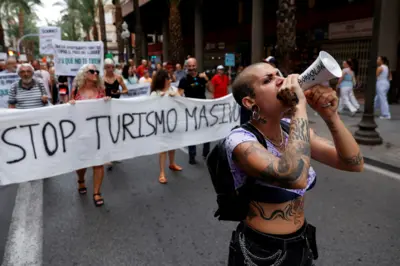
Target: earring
(255,115)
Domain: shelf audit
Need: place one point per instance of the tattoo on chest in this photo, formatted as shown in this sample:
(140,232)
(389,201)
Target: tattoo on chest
(293,211)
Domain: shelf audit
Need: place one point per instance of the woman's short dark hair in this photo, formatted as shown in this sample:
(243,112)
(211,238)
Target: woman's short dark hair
(158,82)
(125,72)
(244,82)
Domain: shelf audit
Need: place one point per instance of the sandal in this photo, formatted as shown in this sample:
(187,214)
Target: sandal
(175,167)
(162,179)
(99,202)
(82,190)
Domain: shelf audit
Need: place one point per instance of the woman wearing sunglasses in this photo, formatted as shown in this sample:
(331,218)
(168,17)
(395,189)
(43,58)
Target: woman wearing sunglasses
(161,86)
(87,86)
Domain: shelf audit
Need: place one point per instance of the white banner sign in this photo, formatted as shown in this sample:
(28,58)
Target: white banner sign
(3,56)
(49,141)
(135,90)
(46,35)
(70,56)
(6,80)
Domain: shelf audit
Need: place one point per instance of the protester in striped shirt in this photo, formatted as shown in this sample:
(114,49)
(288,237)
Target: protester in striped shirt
(28,92)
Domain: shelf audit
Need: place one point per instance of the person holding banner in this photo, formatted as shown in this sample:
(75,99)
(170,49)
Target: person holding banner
(28,92)
(88,85)
(112,81)
(276,170)
(161,86)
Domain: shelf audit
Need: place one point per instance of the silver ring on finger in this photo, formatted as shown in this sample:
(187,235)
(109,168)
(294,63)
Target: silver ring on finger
(326,105)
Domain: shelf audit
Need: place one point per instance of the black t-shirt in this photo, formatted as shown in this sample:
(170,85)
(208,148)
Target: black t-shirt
(194,87)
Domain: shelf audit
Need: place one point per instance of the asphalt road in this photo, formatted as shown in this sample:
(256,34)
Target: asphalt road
(145,223)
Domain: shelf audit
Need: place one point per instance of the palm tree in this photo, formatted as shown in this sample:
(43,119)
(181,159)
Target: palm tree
(22,7)
(175,29)
(102,25)
(286,31)
(31,44)
(87,11)
(118,25)
(70,14)
(138,33)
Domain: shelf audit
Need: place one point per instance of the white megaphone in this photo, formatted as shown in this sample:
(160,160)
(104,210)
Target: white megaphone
(323,69)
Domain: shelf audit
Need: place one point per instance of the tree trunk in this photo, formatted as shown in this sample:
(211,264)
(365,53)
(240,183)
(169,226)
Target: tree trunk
(21,23)
(21,27)
(138,33)
(118,24)
(176,41)
(87,35)
(102,25)
(95,32)
(2,40)
(95,29)
(286,32)
(73,29)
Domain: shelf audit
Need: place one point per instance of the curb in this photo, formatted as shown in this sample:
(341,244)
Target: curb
(382,165)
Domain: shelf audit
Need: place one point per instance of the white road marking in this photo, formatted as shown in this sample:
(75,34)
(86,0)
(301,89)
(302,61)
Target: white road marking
(184,150)
(382,171)
(25,237)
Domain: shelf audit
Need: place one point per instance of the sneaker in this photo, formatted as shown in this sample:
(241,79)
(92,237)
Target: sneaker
(385,117)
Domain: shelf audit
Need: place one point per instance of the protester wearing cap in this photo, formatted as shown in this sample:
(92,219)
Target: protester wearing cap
(272,61)
(220,83)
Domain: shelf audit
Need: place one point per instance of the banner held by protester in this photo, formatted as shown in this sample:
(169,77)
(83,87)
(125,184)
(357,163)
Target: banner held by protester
(50,141)
(70,56)
(46,35)
(6,80)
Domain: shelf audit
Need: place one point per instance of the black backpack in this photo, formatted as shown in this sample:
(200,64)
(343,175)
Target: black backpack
(233,205)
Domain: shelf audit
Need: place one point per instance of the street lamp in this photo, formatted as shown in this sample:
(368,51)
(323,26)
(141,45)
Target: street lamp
(125,34)
(366,134)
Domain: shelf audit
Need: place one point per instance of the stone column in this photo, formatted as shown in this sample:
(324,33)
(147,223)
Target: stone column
(389,31)
(199,35)
(165,36)
(257,31)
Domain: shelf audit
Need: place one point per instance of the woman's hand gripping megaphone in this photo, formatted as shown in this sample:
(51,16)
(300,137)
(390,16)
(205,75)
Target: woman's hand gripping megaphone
(323,100)
(290,93)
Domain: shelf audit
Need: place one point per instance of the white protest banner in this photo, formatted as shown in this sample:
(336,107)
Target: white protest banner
(70,56)
(3,56)
(49,141)
(46,35)
(6,80)
(135,90)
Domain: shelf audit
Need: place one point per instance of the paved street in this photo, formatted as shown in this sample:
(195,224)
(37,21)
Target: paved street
(146,223)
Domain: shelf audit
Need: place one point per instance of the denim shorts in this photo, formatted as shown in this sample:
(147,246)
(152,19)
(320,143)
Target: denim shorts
(253,248)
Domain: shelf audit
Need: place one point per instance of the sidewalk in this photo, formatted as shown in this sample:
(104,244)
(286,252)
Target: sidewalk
(385,156)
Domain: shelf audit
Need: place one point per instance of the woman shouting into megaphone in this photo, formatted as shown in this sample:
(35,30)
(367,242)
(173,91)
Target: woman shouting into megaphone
(275,231)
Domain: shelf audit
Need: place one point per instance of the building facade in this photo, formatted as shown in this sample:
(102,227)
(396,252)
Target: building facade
(212,28)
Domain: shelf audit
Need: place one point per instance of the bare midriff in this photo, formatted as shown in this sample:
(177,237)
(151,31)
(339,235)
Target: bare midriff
(278,219)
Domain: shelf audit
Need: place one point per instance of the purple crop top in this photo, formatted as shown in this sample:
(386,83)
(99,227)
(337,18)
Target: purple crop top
(272,194)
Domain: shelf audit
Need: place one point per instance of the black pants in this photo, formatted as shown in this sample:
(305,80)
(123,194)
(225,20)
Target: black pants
(192,150)
(253,248)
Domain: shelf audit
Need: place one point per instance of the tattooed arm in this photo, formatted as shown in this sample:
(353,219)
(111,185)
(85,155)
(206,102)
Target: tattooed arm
(289,171)
(343,154)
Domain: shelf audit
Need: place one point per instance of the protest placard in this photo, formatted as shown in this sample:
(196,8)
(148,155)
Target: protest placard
(46,35)
(49,141)
(6,80)
(70,56)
